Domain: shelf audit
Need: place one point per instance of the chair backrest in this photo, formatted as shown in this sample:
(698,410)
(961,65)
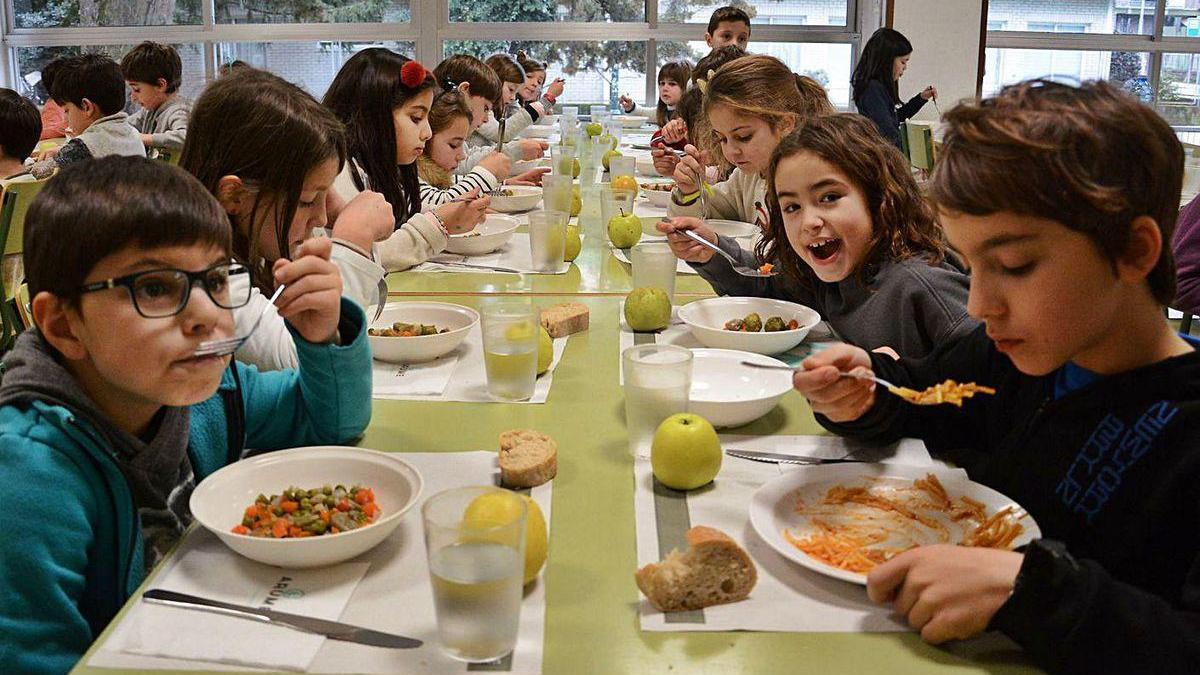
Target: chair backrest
(920,144)
(24,309)
(169,156)
(17,198)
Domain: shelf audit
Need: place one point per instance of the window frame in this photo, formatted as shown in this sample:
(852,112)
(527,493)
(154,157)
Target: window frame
(429,28)
(1154,43)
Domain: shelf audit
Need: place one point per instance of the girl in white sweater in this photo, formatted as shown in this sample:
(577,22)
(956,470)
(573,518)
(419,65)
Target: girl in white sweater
(383,99)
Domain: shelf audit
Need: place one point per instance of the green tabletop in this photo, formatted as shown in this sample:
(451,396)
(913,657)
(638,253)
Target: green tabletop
(591,601)
(595,271)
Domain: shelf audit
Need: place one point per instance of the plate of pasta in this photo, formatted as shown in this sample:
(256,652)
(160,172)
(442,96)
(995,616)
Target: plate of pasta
(842,520)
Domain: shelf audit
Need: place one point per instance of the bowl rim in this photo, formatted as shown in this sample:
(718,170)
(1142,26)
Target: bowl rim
(685,314)
(519,191)
(474,319)
(511,223)
(414,499)
(731,355)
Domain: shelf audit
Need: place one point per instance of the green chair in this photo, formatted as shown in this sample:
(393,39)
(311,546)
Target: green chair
(15,204)
(917,138)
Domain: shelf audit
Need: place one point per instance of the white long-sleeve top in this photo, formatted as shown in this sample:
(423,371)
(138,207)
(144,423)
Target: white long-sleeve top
(414,242)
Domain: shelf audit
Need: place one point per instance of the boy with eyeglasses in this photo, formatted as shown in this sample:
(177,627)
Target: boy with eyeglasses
(107,417)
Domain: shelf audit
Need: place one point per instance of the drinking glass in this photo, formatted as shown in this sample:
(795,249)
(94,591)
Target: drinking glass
(510,344)
(556,192)
(547,240)
(562,160)
(475,546)
(658,379)
(621,166)
(614,202)
(654,264)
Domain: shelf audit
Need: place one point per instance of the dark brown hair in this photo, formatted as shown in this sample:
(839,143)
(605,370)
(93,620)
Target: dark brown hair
(902,223)
(364,96)
(1090,157)
(459,68)
(125,201)
(530,64)
(94,77)
(150,61)
(282,133)
(714,60)
(20,125)
(506,68)
(681,73)
(728,13)
(447,107)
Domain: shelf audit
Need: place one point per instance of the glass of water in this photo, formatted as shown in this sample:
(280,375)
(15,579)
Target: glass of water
(556,191)
(658,379)
(510,344)
(475,544)
(613,203)
(621,166)
(654,264)
(547,240)
(562,160)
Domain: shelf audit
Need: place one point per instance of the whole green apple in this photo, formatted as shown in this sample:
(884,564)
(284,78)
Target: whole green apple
(608,156)
(685,453)
(574,243)
(594,129)
(624,230)
(647,309)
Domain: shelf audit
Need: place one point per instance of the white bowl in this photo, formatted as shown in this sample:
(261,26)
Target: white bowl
(632,121)
(729,394)
(645,167)
(220,500)
(530,164)
(457,319)
(524,198)
(658,198)
(733,228)
(538,131)
(706,319)
(491,234)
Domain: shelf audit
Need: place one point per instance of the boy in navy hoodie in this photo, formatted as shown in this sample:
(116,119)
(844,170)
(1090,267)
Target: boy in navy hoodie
(1062,200)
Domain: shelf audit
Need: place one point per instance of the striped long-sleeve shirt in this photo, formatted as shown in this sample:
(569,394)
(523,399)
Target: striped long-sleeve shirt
(479,178)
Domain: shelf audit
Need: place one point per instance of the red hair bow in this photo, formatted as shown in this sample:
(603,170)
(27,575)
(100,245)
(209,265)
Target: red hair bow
(412,74)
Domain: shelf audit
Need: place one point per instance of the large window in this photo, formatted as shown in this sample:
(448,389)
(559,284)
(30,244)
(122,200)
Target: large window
(1147,47)
(604,47)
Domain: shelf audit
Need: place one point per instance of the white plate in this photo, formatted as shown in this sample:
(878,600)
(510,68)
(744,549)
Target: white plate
(706,319)
(772,509)
(416,349)
(728,394)
(491,234)
(220,500)
(733,228)
(523,198)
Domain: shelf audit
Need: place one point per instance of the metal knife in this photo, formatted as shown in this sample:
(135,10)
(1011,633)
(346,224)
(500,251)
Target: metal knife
(480,267)
(330,629)
(776,458)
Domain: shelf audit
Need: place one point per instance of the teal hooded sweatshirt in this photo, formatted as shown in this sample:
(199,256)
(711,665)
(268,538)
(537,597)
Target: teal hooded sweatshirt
(71,550)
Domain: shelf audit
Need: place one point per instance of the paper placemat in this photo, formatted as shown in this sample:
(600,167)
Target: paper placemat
(678,333)
(457,376)
(515,254)
(787,597)
(393,596)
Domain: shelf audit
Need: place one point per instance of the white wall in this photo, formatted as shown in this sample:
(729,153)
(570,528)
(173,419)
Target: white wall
(945,38)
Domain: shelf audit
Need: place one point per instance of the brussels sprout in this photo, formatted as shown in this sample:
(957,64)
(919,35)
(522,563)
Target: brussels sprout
(753,323)
(774,324)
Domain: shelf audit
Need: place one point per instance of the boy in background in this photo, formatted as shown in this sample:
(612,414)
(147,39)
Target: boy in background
(91,90)
(153,72)
(728,26)
(20,127)
(1062,200)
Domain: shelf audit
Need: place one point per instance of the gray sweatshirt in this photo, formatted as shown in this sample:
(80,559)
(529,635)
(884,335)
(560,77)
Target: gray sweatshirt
(908,305)
(166,124)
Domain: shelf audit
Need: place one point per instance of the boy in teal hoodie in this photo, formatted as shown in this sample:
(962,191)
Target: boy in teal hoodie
(108,420)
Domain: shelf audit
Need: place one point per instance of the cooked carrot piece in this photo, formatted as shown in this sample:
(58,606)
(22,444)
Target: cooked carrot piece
(240,529)
(280,528)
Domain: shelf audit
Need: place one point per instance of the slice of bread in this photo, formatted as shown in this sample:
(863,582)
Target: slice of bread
(564,319)
(527,458)
(713,570)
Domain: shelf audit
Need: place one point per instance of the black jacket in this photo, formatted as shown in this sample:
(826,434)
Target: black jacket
(877,104)
(1111,473)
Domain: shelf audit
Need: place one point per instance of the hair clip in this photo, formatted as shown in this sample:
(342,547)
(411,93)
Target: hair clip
(703,86)
(448,84)
(412,74)
(711,72)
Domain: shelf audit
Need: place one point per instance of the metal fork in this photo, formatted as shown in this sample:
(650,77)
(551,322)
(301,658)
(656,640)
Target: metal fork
(231,345)
(737,266)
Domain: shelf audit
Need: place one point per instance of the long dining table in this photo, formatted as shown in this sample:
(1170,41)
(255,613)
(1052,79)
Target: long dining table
(591,600)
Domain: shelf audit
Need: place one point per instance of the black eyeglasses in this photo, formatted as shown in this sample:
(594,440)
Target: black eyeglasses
(161,293)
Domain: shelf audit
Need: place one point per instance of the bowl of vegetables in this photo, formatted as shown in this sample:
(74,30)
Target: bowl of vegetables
(759,325)
(412,332)
(492,234)
(307,507)
(516,198)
